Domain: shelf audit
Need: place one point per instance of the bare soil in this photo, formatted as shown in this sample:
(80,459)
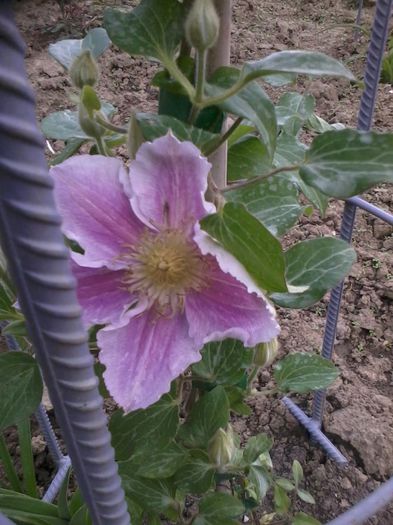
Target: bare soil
(359,412)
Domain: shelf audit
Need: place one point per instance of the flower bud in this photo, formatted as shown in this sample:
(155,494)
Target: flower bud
(222,447)
(84,70)
(134,137)
(202,25)
(265,353)
(88,124)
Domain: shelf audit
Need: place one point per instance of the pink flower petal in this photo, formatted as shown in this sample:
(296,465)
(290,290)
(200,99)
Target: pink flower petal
(144,356)
(101,294)
(95,210)
(226,309)
(169,180)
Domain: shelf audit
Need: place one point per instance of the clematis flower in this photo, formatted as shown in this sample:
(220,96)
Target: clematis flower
(162,287)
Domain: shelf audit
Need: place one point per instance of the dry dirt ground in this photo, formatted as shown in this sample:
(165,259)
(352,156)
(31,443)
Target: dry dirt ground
(359,415)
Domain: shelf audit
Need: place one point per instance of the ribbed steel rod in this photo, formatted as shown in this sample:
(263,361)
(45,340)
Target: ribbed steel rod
(39,265)
(57,482)
(5,521)
(371,208)
(375,53)
(366,508)
(315,432)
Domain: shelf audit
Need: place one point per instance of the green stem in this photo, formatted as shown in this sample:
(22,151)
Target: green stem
(256,180)
(8,465)
(215,101)
(252,375)
(176,74)
(26,456)
(223,137)
(200,77)
(101,146)
(108,125)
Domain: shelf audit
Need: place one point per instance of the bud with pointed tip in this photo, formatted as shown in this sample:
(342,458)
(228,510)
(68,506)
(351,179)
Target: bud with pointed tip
(222,448)
(202,25)
(84,70)
(135,136)
(265,353)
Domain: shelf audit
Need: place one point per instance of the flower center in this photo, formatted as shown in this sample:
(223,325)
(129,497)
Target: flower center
(163,267)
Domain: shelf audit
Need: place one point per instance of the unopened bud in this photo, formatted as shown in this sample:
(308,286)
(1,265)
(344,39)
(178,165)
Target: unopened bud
(135,136)
(88,124)
(202,25)
(222,447)
(265,353)
(84,70)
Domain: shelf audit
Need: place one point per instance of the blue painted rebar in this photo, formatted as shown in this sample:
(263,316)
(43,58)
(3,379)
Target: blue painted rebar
(372,209)
(57,482)
(31,238)
(366,508)
(315,432)
(375,53)
(5,521)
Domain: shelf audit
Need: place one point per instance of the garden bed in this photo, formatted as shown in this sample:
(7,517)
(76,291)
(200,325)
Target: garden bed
(359,415)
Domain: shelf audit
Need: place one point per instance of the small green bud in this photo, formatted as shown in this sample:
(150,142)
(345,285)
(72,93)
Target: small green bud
(135,137)
(84,70)
(202,25)
(265,353)
(88,124)
(222,448)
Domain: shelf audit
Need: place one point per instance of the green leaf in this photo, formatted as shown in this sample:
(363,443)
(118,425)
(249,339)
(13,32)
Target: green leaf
(299,62)
(285,484)
(317,265)
(208,414)
(256,446)
(292,110)
(222,362)
(319,125)
(152,29)
(216,508)
(236,396)
(297,472)
(251,103)
(305,496)
(154,126)
(64,125)
(156,463)
(281,500)
(303,373)
(20,387)
(151,494)
(27,510)
(247,158)
(259,480)
(16,328)
(291,151)
(65,51)
(140,430)
(197,474)
(304,519)
(348,162)
(251,243)
(273,201)
(71,147)
(81,517)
